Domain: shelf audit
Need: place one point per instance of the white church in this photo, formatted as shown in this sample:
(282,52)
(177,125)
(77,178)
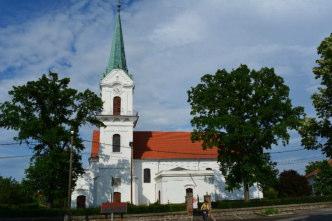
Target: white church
(143,167)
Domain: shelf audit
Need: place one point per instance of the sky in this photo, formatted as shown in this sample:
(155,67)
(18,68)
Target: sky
(169,45)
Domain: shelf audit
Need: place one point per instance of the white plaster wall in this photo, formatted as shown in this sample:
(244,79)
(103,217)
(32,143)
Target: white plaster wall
(148,192)
(83,187)
(117,83)
(174,188)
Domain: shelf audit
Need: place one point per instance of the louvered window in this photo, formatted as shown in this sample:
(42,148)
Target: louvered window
(116,143)
(117,105)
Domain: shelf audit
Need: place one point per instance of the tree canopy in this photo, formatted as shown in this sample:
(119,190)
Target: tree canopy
(313,166)
(13,192)
(317,132)
(292,184)
(322,184)
(44,112)
(243,113)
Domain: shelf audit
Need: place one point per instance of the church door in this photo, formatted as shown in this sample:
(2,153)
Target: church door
(80,201)
(117,197)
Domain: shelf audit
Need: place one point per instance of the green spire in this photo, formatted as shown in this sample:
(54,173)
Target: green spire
(117,59)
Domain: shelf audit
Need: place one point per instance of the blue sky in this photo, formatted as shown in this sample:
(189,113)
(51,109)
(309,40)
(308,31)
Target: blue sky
(169,45)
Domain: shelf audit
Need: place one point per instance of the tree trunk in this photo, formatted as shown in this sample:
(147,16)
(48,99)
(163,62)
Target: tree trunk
(246,192)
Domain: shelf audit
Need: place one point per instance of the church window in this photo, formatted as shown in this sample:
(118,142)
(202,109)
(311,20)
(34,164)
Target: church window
(147,175)
(208,168)
(189,191)
(116,143)
(117,105)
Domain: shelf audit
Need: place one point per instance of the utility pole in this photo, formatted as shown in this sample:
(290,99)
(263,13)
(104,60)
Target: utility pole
(131,172)
(70,168)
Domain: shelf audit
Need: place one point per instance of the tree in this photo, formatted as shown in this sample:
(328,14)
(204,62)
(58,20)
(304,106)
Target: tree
(292,184)
(313,166)
(243,113)
(44,112)
(322,184)
(13,192)
(316,132)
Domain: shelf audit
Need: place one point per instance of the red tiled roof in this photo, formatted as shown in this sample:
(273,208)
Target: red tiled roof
(169,145)
(163,145)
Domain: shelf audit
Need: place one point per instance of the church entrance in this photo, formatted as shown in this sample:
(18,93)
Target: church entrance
(80,201)
(117,197)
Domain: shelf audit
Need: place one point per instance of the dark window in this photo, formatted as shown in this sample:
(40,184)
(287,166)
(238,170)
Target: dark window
(116,106)
(116,143)
(147,175)
(80,201)
(208,168)
(159,197)
(116,181)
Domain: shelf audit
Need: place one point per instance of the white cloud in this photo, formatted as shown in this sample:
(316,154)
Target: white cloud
(169,44)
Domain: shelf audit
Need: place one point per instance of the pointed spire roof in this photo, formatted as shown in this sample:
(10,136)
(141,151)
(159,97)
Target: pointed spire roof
(117,59)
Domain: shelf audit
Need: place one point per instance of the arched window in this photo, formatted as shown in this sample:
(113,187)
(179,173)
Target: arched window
(147,175)
(80,201)
(116,143)
(189,191)
(208,168)
(117,105)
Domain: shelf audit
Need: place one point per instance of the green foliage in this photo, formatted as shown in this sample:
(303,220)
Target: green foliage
(53,184)
(316,133)
(44,112)
(270,211)
(292,184)
(270,193)
(323,180)
(313,166)
(243,113)
(32,210)
(13,192)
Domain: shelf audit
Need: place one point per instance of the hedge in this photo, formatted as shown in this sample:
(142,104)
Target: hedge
(32,210)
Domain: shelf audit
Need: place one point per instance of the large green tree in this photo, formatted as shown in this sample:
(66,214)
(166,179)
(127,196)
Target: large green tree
(44,112)
(317,132)
(243,113)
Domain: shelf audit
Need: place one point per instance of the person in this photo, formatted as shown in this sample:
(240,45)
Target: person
(205,208)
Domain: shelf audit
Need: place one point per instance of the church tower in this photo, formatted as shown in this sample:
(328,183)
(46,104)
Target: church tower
(115,154)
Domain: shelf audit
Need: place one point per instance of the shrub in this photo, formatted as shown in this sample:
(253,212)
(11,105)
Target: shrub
(270,193)
(292,184)
(270,211)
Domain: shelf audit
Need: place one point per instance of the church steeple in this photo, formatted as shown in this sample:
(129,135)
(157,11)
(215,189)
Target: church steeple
(117,59)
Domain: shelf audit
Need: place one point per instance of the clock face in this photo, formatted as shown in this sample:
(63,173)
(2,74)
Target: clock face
(117,89)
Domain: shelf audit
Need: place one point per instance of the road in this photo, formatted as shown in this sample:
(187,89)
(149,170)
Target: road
(313,215)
